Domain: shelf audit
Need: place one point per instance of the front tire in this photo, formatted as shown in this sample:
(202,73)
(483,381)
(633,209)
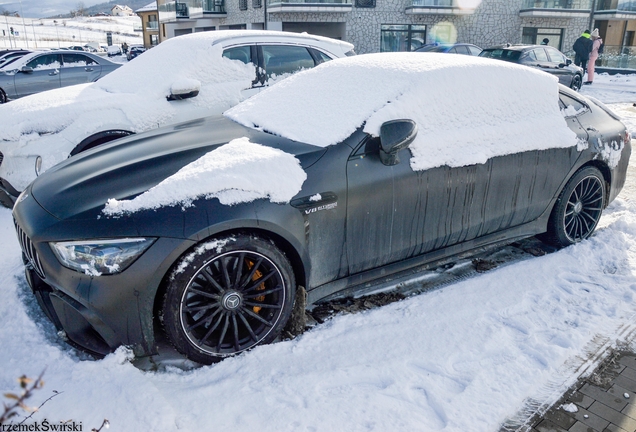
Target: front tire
(578,208)
(231,295)
(576,83)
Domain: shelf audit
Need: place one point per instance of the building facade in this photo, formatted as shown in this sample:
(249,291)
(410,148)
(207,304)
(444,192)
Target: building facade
(149,24)
(403,25)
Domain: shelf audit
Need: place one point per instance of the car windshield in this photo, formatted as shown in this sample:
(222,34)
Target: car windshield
(502,54)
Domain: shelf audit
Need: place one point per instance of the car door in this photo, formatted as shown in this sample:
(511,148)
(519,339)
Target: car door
(394,213)
(78,69)
(538,58)
(558,65)
(246,54)
(44,74)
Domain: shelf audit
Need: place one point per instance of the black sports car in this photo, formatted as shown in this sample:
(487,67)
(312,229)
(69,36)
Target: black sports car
(209,227)
(542,57)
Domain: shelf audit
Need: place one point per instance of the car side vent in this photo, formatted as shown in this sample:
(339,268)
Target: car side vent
(29,250)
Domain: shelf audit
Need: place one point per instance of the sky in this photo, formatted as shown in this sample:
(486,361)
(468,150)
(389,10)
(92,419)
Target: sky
(43,9)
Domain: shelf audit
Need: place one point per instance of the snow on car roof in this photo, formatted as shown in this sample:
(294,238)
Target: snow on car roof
(467,109)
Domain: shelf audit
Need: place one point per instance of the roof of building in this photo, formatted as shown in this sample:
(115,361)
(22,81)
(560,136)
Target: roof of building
(148,8)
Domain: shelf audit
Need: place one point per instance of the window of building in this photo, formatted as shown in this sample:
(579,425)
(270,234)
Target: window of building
(257,3)
(535,36)
(402,37)
(242,4)
(154,40)
(365,3)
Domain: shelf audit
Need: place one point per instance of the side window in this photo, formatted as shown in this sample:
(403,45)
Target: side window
(76,60)
(571,107)
(461,49)
(320,56)
(555,56)
(452,50)
(48,61)
(280,60)
(540,55)
(473,50)
(241,53)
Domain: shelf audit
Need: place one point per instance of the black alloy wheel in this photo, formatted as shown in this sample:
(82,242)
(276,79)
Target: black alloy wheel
(578,209)
(228,299)
(576,82)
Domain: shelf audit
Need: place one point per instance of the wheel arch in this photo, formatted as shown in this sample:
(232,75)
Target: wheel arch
(283,244)
(607,176)
(98,139)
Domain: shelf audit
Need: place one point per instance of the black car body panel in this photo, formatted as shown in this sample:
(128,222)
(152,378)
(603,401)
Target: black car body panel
(371,220)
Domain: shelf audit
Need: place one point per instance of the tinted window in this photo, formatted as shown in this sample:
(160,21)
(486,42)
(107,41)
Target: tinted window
(280,60)
(461,49)
(48,61)
(474,50)
(502,54)
(555,55)
(541,55)
(77,60)
(242,53)
(571,107)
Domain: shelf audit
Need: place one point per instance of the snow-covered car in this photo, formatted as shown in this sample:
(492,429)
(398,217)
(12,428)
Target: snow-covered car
(337,177)
(181,79)
(113,50)
(41,71)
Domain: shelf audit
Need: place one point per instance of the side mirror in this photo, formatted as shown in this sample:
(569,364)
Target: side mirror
(568,62)
(395,135)
(184,89)
(26,69)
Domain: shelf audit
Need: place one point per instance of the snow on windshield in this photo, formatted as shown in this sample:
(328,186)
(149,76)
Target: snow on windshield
(237,172)
(467,109)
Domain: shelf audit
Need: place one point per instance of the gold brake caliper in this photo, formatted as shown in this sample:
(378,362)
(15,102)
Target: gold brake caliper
(261,287)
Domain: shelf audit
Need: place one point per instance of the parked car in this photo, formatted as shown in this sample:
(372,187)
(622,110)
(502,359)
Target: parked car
(113,50)
(76,48)
(8,55)
(134,51)
(208,227)
(136,98)
(542,57)
(457,48)
(40,71)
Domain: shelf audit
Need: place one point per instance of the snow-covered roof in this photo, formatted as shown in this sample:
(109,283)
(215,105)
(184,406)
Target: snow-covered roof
(468,109)
(150,7)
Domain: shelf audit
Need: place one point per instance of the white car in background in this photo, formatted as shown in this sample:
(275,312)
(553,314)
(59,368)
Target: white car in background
(183,78)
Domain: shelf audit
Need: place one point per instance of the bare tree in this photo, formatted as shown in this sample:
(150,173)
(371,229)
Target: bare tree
(80,8)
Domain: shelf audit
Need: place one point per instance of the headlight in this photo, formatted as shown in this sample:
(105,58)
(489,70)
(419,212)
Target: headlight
(97,257)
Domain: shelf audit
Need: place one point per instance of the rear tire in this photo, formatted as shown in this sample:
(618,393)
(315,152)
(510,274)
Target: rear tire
(227,297)
(578,208)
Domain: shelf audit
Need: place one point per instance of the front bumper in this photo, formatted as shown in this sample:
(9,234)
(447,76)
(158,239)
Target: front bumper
(96,314)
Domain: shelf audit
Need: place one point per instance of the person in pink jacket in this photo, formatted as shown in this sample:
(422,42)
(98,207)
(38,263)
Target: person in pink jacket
(596,44)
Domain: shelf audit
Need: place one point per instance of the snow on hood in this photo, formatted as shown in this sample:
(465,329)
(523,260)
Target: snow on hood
(467,109)
(237,172)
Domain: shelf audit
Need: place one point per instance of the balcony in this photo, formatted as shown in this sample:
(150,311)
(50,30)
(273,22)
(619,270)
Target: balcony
(615,10)
(556,8)
(437,7)
(152,26)
(329,6)
(213,7)
(172,11)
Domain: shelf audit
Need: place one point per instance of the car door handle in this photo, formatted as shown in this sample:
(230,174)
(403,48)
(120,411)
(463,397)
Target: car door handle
(88,69)
(591,129)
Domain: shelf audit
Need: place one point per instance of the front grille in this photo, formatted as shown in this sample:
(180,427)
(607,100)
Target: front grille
(29,250)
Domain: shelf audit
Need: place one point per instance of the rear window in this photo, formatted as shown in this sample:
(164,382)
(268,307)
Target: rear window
(502,54)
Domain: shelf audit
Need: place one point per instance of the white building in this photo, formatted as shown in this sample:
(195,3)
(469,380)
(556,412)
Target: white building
(119,10)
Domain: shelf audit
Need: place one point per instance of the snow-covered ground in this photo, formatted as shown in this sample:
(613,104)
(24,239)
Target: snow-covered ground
(466,357)
(45,33)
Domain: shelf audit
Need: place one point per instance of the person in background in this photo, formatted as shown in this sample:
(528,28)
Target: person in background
(545,41)
(582,47)
(596,44)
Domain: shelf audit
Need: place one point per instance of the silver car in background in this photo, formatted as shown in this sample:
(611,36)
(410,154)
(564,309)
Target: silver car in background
(48,70)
